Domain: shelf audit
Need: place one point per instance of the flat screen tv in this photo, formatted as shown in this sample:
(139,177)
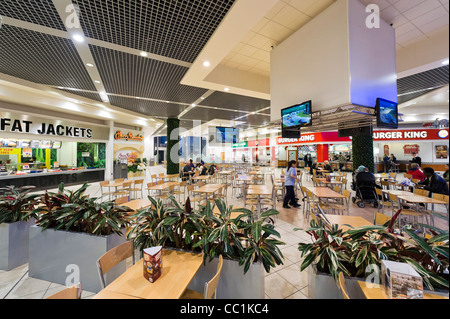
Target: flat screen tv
(227,135)
(297,116)
(387,114)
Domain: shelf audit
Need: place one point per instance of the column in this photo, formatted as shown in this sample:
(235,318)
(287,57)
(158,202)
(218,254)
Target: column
(363,152)
(109,163)
(322,153)
(173,146)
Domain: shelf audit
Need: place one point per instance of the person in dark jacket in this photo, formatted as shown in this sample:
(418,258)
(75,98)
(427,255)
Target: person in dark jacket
(416,159)
(434,183)
(387,163)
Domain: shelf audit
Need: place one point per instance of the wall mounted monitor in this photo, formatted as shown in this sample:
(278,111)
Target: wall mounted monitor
(387,114)
(297,116)
(227,135)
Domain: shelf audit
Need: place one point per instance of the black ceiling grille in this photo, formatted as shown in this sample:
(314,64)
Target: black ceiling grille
(41,12)
(149,108)
(42,58)
(131,75)
(178,29)
(419,84)
(89,95)
(235,102)
(207,114)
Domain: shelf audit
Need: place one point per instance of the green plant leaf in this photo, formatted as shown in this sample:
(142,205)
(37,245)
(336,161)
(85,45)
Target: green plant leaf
(422,243)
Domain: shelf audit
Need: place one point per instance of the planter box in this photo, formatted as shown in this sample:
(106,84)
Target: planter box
(14,244)
(323,286)
(52,251)
(233,283)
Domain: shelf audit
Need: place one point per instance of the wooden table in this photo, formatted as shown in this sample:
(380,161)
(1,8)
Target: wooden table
(330,183)
(377,292)
(209,189)
(259,190)
(419,199)
(169,177)
(354,221)
(226,173)
(179,268)
(202,178)
(396,192)
(162,187)
(106,294)
(138,204)
(325,193)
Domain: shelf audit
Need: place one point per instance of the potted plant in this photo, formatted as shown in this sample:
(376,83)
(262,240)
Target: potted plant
(16,216)
(351,252)
(248,247)
(72,232)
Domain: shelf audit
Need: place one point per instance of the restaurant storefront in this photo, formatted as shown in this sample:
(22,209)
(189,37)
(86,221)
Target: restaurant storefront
(45,152)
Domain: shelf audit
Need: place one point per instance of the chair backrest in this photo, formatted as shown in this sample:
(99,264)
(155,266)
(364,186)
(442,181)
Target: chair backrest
(381,219)
(119,180)
(151,184)
(68,293)
(342,285)
(114,257)
(393,175)
(160,182)
(421,192)
(104,184)
(153,176)
(211,286)
(393,198)
(379,192)
(200,184)
(337,189)
(127,184)
(190,188)
(441,197)
(121,200)
(347,194)
(183,184)
(385,184)
(139,182)
(161,174)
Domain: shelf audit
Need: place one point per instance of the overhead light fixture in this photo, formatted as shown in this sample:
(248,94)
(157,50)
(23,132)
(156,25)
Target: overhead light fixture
(193,105)
(78,38)
(446,62)
(167,102)
(60,87)
(144,54)
(202,98)
(227,89)
(137,97)
(206,64)
(97,81)
(90,65)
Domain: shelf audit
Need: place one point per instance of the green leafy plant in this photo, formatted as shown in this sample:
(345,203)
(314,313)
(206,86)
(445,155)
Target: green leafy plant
(17,204)
(72,211)
(214,234)
(334,250)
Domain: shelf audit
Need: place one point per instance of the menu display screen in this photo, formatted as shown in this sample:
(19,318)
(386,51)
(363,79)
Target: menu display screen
(387,114)
(297,116)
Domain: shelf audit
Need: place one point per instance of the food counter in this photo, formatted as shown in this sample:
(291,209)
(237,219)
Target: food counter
(53,179)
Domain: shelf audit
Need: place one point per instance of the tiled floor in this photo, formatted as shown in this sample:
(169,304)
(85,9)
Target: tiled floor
(285,281)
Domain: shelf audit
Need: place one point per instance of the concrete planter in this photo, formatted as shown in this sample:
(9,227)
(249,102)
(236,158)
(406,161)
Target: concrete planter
(323,286)
(52,251)
(14,244)
(233,283)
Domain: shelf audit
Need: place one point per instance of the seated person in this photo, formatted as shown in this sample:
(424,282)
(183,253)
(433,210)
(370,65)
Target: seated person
(416,172)
(212,169)
(187,169)
(363,177)
(314,166)
(433,182)
(327,166)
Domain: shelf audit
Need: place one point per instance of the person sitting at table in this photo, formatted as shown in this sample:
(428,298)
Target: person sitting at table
(204,170)
(327,166)
(291,177)
(212,169)
(314,166)
(433,182)
(187,169)
(191,164)
(416,172)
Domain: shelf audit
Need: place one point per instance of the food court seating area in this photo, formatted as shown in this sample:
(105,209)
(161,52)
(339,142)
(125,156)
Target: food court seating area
(256,188)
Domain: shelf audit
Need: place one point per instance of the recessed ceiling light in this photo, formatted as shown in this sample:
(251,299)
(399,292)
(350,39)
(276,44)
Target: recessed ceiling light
(206,64)
(97,81)
(60,87)
(137,97)
(202,98)
(167,101)
(446,62)
(193,105)
(78,38)
(227,89)
(144,54)
(90,65)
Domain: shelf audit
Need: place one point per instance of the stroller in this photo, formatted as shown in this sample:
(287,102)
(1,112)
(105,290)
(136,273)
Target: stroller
(364,186)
